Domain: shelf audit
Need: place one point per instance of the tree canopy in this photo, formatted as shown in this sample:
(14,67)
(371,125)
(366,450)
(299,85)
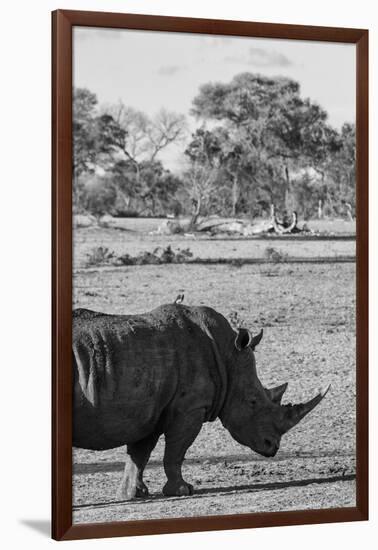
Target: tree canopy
(257,142)
(267,133)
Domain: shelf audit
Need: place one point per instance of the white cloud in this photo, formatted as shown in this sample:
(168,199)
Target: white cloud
(169,70)
(259,57)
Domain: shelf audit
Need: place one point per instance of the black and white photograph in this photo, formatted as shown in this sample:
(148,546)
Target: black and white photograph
(214,275)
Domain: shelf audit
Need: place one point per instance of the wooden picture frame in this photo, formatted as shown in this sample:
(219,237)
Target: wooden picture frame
(63,22)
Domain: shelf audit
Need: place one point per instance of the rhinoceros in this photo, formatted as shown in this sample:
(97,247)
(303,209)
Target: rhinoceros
(136,377)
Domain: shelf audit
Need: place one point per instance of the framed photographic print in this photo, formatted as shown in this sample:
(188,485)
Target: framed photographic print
(210,218)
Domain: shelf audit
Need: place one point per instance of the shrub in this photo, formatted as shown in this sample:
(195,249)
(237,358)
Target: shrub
(99,197)
(158,256)
(100,255)
(274,255)
(237,262)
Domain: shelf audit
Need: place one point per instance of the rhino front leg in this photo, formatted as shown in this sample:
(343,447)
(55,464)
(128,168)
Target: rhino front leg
(178,438)
(137,456)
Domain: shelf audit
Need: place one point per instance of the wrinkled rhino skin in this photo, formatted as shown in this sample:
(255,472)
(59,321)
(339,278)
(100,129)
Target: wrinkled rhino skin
(135,374)
(136,377)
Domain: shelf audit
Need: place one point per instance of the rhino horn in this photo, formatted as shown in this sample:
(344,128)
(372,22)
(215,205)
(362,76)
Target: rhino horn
(295,413)
(276,394)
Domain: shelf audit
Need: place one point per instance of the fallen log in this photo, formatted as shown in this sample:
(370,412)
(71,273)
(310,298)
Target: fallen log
(221,224)
(281,228)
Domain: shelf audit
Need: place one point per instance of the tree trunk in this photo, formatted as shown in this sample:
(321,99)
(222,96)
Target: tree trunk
(272,213)
(195,214)
(349,211)
(330,204)
(320,209)
(126,199)
(287,189)
(235,194)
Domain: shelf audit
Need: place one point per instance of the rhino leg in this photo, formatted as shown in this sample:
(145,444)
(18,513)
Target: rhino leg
(178,438)
(137,456)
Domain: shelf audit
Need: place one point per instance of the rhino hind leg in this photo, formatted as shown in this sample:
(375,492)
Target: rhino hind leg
(132,484)
(178,438)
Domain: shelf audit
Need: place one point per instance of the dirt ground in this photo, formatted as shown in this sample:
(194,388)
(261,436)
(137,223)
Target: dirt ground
(308,316)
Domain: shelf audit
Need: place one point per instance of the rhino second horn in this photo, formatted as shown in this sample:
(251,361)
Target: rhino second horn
(276,394)
(295,413)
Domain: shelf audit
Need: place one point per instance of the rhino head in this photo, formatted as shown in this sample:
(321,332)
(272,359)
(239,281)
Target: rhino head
(253,414)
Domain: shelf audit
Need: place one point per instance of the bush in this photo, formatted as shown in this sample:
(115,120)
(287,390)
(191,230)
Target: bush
(101,255)
(274,255)
(99,197)
(158,256)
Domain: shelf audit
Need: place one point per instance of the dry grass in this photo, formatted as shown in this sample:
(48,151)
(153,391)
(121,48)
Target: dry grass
(122,243)
(308,315)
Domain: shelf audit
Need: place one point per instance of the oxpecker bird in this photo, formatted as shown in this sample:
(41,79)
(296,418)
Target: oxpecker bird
(179,299)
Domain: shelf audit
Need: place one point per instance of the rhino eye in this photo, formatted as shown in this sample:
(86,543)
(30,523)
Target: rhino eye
(252,402)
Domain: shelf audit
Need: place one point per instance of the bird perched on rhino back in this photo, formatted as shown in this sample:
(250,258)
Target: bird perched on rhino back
(168,371)
(179,299)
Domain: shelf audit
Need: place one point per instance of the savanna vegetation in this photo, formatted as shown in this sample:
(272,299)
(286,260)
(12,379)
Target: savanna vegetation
(257,143)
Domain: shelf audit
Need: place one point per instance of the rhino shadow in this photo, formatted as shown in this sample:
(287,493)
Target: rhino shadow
(82,468)
(246,488)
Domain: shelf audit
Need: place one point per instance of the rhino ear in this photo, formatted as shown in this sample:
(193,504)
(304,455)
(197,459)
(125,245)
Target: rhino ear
(255,340)
(243,339)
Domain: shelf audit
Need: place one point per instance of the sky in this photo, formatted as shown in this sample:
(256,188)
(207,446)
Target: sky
(149,70)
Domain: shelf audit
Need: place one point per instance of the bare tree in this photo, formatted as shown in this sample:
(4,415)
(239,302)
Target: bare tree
(201,186)
(166,128)
(146,137)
